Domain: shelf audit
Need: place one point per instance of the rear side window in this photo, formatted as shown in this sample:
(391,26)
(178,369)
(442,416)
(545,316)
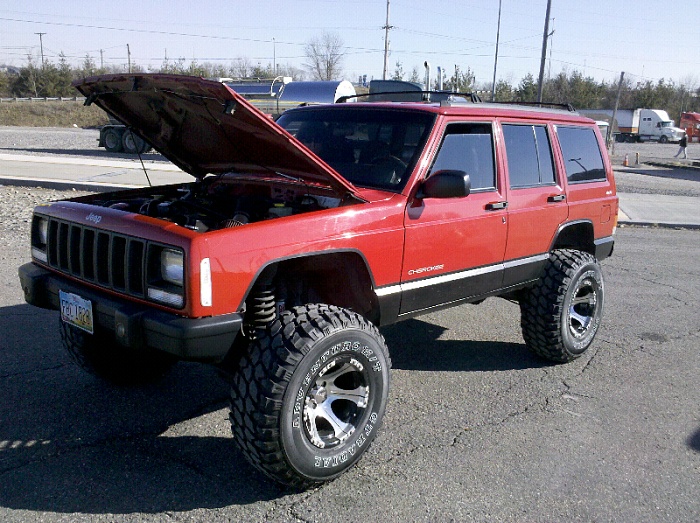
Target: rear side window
(582,157)
(529,155)
(469,148)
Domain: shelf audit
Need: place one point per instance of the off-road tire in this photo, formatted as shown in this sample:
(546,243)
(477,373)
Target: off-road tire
(314,365)
(106,359)
(561,314)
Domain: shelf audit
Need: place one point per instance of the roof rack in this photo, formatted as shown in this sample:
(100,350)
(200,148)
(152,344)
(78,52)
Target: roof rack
(544,105)
(413,96)
(447,98)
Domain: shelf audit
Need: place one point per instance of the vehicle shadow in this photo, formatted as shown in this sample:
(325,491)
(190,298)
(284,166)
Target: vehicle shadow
(147,475)
(71,443)
(415,345)
(694,441)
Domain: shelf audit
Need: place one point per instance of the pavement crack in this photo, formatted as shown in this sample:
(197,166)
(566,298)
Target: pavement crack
(33,371)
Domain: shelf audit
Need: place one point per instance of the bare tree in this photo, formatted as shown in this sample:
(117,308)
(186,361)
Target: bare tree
(325,56)
(241,67)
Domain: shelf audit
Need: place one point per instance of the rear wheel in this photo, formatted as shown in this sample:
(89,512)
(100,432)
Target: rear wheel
(113,140)
(105,358)
(133,144)
(309,394)
(561,314)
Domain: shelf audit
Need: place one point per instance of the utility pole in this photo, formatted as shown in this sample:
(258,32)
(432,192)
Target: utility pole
(128,57)
(102,59)
(495,60)
(545,37)
(608,138)
(41,46)
(386,39)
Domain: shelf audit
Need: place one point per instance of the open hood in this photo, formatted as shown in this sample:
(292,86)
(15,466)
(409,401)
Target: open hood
(203,127)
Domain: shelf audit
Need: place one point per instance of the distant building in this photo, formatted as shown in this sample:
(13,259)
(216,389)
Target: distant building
(9,69)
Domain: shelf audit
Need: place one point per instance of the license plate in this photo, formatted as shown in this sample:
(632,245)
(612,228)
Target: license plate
(76,311)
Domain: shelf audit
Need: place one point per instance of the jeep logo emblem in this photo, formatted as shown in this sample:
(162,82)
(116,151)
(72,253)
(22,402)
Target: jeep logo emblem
(95,218)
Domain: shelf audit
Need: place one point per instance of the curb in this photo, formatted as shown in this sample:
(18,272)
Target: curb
(694,165)
(63,185)
(112,163)
(658,225)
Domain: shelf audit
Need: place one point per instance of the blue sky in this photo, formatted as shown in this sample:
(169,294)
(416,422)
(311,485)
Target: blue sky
(649,40)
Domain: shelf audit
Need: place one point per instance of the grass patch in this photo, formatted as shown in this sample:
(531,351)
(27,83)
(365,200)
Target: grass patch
(52,114)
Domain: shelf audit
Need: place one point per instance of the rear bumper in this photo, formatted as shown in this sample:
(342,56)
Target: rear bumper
(134,325)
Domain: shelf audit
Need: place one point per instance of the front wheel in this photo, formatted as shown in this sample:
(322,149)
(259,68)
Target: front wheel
(561,314)
(105,358)
(663,139)
(309,394)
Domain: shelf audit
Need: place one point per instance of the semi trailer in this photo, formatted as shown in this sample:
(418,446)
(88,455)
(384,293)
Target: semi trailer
(638,125)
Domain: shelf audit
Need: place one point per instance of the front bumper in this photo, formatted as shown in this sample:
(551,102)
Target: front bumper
(134,325)
(604,247)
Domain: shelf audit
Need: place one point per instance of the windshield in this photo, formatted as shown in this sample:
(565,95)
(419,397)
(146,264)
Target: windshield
(370,147)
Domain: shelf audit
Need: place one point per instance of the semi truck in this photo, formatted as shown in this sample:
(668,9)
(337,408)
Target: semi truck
(690,123)
(638,125)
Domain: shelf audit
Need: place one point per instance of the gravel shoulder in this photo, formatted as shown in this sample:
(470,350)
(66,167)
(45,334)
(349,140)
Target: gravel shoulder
(670,182)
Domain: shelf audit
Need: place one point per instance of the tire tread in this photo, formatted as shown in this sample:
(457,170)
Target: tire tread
(263,374)
(542,305)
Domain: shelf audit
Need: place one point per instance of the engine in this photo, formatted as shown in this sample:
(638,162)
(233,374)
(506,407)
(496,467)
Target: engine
(210,205)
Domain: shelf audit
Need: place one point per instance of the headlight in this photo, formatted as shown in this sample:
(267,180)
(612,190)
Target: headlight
(42,230)
(172,266)
(165,275)
(40,237)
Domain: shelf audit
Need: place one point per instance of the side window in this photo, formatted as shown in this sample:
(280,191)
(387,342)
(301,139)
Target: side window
(469,148)
(529,155)
(582,157)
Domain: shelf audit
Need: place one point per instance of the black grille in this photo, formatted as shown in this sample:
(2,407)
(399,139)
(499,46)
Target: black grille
(111,260)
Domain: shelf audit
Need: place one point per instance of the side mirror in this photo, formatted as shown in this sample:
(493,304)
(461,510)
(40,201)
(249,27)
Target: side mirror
(445,184)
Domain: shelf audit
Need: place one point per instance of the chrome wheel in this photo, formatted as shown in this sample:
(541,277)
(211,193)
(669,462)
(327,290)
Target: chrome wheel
(335,402)
(582,308)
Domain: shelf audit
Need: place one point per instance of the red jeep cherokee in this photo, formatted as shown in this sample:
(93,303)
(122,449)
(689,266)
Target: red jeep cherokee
(298,239)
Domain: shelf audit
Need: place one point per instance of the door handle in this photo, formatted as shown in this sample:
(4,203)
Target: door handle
(495,206)
(556,198)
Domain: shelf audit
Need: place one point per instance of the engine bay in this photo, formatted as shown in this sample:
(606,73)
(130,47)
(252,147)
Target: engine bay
(219,202)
